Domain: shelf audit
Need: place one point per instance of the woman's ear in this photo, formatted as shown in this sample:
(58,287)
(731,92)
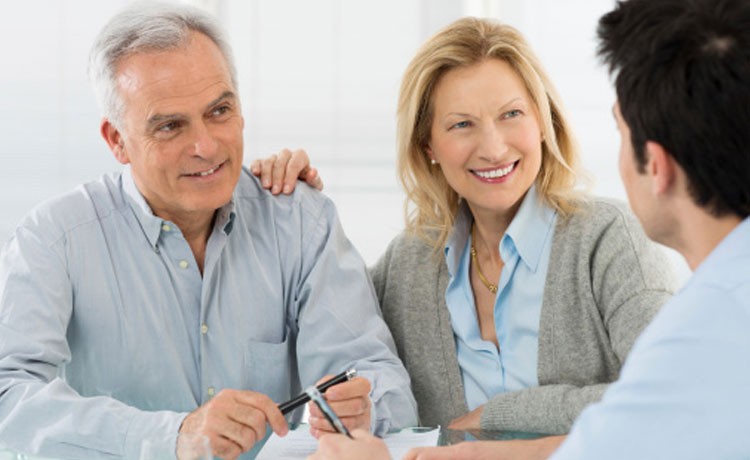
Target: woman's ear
(430,155)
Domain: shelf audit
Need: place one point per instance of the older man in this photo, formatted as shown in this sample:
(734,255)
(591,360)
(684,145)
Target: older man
(178,295)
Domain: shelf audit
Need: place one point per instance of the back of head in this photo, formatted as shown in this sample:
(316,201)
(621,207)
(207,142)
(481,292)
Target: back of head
(683,80)
(432,204)
(146,27)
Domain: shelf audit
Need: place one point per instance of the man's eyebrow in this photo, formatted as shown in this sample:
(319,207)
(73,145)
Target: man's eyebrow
(161,118)
(225,95)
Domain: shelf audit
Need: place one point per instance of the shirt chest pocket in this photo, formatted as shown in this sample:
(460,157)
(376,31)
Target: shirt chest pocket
(271,368)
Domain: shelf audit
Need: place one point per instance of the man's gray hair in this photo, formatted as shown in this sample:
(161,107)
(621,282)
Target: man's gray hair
(146,27)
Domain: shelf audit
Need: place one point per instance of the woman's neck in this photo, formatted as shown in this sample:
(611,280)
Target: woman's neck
(488,229)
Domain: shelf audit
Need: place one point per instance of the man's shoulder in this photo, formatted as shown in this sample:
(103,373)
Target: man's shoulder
(249,192)
(726,269)
(88,202)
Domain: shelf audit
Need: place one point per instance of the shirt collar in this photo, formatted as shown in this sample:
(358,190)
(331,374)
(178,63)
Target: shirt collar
(531,227)
(151,225)
(728,248)
(528,232)
(458,238)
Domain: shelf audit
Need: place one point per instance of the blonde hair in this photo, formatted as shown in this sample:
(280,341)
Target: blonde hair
(431,204)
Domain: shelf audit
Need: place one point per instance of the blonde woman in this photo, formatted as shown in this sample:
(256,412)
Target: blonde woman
(513,297)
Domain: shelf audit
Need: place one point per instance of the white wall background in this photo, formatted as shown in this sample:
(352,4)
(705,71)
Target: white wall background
(318,74)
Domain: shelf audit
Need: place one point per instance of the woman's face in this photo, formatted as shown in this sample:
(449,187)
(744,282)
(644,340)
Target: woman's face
(485,135)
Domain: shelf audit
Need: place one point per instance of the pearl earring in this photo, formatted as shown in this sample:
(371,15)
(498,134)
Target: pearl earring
(433,162)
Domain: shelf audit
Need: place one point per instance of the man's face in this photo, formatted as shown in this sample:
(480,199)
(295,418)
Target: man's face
(637,184)
(182,128)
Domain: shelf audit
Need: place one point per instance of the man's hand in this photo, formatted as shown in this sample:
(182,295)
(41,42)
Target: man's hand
(364,446)
(351,402)
(234,421)
(535,449)
(280,172)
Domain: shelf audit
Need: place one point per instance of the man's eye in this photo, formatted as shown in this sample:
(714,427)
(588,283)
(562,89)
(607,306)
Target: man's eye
(218,111)
(169,127)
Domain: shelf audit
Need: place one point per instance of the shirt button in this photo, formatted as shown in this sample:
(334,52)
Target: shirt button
(211,391)
(183,264)
(204,329)
(166,227)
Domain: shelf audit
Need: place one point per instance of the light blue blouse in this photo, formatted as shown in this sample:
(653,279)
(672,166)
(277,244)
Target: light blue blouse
(525,250)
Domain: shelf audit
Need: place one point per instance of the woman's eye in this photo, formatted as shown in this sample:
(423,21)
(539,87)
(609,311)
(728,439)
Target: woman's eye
(513,113)
(461,124)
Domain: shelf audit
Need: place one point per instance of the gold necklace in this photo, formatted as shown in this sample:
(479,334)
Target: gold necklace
(488,285)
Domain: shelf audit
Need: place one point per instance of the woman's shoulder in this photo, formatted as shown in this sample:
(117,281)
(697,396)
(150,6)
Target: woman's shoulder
(408,245)
(595,214)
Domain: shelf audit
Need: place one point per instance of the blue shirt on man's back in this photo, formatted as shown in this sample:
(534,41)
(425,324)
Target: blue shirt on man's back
(684,391)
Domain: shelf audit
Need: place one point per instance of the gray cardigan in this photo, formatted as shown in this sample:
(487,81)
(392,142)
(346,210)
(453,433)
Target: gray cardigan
(605,282)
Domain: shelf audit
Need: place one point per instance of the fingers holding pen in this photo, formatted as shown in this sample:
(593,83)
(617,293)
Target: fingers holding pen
(351,402)
(234,421)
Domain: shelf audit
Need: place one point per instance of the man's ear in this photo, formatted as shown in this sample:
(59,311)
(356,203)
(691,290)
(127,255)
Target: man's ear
(661,166)
(114,140)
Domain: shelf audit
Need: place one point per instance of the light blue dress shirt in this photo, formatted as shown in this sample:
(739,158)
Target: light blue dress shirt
(684,391)
(525,250)
(109,334)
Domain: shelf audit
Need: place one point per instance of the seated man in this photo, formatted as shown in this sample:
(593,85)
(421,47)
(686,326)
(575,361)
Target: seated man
(178,295)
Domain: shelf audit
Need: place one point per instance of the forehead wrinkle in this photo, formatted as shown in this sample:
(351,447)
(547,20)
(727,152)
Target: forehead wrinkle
(159,115)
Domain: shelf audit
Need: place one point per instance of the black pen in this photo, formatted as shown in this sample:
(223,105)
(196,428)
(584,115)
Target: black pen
(292,404)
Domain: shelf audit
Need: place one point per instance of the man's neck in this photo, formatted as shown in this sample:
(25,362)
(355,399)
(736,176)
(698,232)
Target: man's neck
(196,229)
(700,233)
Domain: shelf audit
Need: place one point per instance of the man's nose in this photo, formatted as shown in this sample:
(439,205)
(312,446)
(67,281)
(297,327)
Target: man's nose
(204,143)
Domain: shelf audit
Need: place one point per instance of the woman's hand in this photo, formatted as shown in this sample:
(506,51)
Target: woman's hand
(534,449)
(280,172)
(470,421)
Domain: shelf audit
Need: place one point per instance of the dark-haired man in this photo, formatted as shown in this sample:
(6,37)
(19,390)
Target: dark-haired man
(683,86)
(682,72)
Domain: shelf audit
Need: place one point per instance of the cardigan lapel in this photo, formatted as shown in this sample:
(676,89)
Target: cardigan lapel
(453,383)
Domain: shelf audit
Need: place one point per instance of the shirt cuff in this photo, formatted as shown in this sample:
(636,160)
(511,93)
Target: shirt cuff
(145,425)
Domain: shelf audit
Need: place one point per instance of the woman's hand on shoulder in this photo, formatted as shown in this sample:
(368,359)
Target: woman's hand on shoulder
(280,172)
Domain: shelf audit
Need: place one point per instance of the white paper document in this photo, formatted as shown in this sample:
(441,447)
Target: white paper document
(299,443)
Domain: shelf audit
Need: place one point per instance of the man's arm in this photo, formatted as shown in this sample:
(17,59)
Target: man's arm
(365,446)
(340,325)
(39,412)
(42,414)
